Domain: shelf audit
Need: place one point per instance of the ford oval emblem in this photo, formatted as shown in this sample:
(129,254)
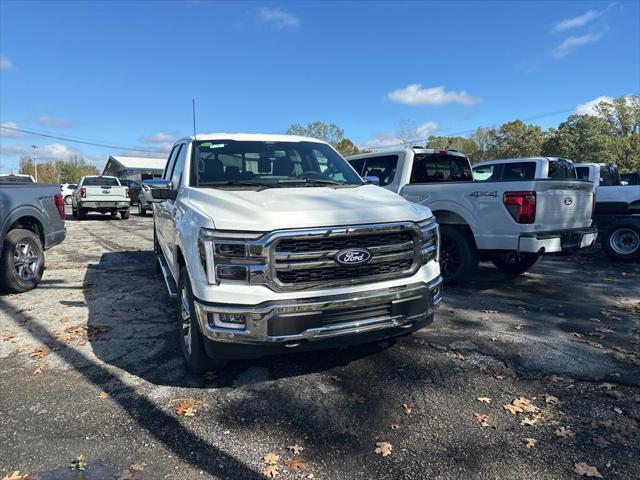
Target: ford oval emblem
(353,256)
(568,201)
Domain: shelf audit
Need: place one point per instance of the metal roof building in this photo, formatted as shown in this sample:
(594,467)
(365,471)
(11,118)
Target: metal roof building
(134,168)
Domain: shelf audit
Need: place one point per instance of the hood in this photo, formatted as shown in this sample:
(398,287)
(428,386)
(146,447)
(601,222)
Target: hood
(304,207)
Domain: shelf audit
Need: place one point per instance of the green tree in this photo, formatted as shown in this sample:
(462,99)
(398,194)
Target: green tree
(346,147)
(463,144)
(517,139)
(330,133)
(46,173)
(623,117)
(485,140)
(581,138)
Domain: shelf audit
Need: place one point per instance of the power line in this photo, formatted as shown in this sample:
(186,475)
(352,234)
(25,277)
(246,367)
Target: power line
(77,140)
(465,132)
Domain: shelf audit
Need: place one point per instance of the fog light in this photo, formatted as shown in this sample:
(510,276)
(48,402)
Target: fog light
(227,320)
(232,272)
(437,295)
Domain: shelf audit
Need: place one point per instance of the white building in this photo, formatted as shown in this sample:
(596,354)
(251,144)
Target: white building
(134,168)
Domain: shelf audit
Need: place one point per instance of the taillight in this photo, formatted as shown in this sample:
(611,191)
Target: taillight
(127,192)
(521,206)
(83,192)
(57,198)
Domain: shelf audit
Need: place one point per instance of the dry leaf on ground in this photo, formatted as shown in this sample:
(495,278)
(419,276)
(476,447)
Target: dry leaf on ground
(530,442)
(485,318)
(7,337)
(271,458)
(565,432)
(294,464)
(552,399)
(587,470)
(484,399)
(383,448)
(102,395)
(530,421)
(39,353)
(394,426)
(295,448)
(185,409)
(521,405)
(39,368)
(16,475)
(482,419)
(270,471)
(407,408)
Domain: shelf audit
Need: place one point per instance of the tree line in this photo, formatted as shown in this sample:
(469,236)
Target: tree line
(58,171)
(611,135)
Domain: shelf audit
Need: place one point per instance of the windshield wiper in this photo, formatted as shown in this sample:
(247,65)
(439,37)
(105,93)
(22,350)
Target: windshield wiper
(234,183)
(318,181)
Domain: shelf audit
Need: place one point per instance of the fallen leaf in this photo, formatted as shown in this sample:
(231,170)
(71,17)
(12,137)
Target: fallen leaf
(39,368)
(482,419)
(295,448)
(552,399)
(186,409)
(271,458)
(294,464)
(521,405)
(484,399)
(459,356)
(531,421)
(39,353)
(7,337)
(394,426)
(485,318)
(16,475)
(271,471)
(530,442)
(357,398)
(383,448)
(607,386)
(520,326)
(587,470)
(137,467)
(407,408)
(102,395)
(565,432)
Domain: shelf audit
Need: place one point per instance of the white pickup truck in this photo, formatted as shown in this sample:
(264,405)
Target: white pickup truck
(511,218)
(277,245)
(100,194)
(617,211)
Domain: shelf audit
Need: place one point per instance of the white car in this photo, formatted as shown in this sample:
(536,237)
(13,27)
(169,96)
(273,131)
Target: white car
(510,217)
(67,189)
(274,244)
(612,198)
(97,193)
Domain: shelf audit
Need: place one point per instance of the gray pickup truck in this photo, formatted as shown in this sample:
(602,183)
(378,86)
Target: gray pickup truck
(31,221)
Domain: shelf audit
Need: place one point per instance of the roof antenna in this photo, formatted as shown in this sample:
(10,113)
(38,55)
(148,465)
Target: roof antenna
(193,109)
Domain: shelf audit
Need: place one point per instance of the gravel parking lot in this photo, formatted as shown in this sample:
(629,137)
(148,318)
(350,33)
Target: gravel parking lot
(90,365)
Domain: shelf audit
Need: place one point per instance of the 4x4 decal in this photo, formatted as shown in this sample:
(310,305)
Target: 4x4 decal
(484,194)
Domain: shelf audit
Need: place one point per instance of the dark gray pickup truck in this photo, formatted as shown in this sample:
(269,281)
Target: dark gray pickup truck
(31,221)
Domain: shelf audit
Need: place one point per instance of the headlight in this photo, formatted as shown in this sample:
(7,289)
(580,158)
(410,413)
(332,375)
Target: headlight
(228,255)
(429,240)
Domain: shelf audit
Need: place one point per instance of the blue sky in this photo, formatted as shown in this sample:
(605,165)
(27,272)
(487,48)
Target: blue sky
(124,73)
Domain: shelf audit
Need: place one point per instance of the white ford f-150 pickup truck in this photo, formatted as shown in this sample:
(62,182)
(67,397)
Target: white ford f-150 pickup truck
(273,243)
(509,218)
(100,194)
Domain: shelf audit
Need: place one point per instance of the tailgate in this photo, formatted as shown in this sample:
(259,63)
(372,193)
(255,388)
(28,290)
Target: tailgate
(105,193)
(563,204)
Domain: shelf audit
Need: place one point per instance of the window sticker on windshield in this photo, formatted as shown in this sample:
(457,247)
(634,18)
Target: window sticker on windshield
(212,145)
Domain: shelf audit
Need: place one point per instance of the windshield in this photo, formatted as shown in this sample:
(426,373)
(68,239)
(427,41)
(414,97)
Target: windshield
(273,164)
(100,182)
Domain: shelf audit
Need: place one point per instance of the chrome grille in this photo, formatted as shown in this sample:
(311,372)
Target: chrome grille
(308,260)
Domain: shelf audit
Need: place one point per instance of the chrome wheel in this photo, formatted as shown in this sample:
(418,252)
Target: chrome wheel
(624,241)
(25,260)
(185,312)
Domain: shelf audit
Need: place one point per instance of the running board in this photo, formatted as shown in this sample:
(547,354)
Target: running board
(172,288)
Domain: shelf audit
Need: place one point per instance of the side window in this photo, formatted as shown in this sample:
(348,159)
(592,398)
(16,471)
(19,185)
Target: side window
(434,168)
(582,173)
(382,167)
(176,175)
(485,173)
(169,166)
(519,171)
(358,165)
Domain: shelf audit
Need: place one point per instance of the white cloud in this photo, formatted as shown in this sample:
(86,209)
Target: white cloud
(56,122)
(279,18)
(5,63)
(160,137)
(53,151)
(576,22)
(571,43)
(387,139)
(6,130)
(414,94)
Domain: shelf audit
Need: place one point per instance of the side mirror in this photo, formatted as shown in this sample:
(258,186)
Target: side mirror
(156,191)
(372,180)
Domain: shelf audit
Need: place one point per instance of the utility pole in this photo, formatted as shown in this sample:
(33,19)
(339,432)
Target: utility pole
(35,161)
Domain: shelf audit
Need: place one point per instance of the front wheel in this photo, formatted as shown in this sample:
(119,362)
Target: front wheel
(191,339)
(67,200)
(621,240)
(458,255)
(515,264)
(22,261)
(141,211)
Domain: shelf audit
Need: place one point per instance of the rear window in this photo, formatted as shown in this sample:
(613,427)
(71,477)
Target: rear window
(582,173)
(15,179)
(433,168)
(609,176)
(487,173)
(519,171)
(561,169)
(100,182)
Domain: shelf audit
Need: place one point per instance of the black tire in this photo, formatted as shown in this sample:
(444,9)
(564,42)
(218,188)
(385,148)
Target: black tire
(458,255)
(74,212)
(621,240)
(82,213)
(67,200)
(192,344)
(141,211)
(11,279)
(124,214)
(515,264)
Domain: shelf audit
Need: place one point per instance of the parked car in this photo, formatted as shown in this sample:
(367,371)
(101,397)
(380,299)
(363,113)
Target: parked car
(67,190)
(617,210)
(274,244)
(16,178)
(31,221)
(144,205)
(510,218)
(134,189)
(100,194)
(632,178)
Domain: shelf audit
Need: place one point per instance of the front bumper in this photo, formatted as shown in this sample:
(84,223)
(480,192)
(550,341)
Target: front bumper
(104,205)
(294,323)
(560,241)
